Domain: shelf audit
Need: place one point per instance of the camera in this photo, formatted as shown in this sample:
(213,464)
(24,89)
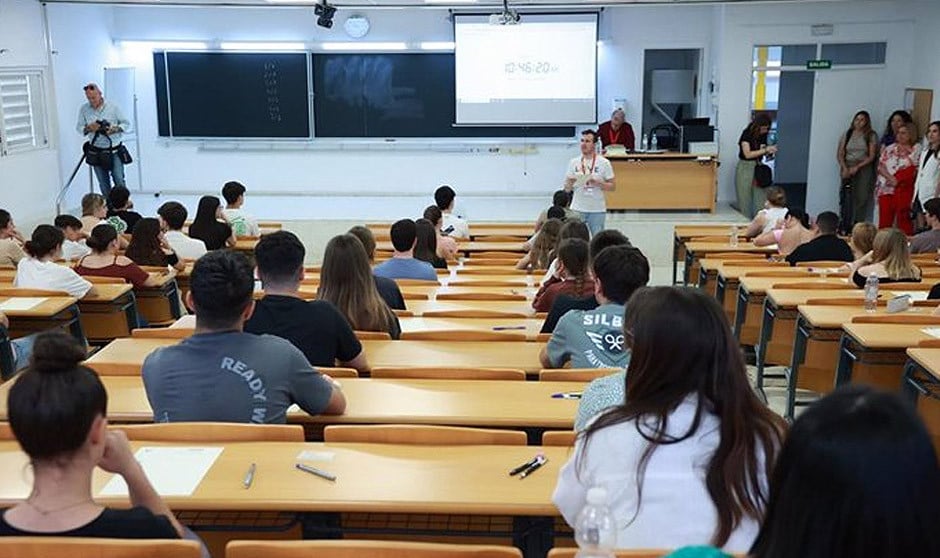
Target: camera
(103,126)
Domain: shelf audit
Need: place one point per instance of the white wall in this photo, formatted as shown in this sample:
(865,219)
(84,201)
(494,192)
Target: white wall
(926,60)
(27,180)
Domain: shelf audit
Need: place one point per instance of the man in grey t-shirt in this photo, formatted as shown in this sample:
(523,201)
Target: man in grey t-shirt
(929,240)
(221,374)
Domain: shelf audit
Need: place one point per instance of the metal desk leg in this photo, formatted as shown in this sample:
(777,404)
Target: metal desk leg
(766,330)
(7,364)
(75,327)
(721,285)
(846,360)
(740,313)
(535,536)
(702,278)
(675,258)
(910,387)
(172,293)
(689,258)
(800,341)
(130,311)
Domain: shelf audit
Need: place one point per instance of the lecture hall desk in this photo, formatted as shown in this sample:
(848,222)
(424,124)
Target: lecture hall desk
(922,388)
(728,279)
(109,313)
(696,250)
(468,248)
(685,233)
(521,307)
(875,353)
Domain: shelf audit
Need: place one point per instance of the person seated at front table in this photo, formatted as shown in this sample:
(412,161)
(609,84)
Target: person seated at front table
(172,218)
(40,270)
(929,240)
(222,374)
(209,227)
(315,327)
(446,245)
(58,412)
(104,261)
(795,232)
(388,289)
(121,205)
(889,261)
(594,338)
(148,246)
(242,223)
(825,246)
(11,241)
(74,245)
(771,216)
(574,269)
(402,264)
(452,224)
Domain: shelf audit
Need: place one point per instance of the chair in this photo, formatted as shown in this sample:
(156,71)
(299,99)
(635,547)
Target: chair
(500,238)
(913,319)
(563,438)
(431,373)
(162,333)
(78,547)
(16,291)
(498,255)
(365,549)
(473,313)
(480,296)
(422,435)
(816,286)
(338,372)
(821,263)
(464,282)
(381,335)
(415,283)
(213,432)
(543,337)
(462,335)
(575,374)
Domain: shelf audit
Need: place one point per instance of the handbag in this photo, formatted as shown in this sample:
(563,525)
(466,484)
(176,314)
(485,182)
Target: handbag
(763,175)
(97,156)
(124,155)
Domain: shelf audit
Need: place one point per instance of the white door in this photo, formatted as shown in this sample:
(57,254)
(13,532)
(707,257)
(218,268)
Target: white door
(838,95)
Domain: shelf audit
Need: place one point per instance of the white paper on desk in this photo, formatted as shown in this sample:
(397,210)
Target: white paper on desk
(932,331)
(915,295)
(173,471)
(21,303)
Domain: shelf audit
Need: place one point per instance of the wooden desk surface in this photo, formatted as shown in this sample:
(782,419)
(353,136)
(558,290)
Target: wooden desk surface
(736,272)
(470,246)
(832,317)
(743,247)
(107,293)
(928,359)
(431,290)
(791,298)
(49,307)
(427,479)
(246,244)
(686,232)
(419,307)
(760,285)
(490,403)
(887,336)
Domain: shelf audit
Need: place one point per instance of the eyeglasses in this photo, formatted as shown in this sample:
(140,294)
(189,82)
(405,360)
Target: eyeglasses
(90,87)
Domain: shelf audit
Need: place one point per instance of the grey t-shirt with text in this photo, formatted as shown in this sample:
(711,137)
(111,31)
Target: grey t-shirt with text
(232,377)
(590,339)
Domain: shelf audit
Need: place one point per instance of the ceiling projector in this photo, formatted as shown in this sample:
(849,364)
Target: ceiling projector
(508,17)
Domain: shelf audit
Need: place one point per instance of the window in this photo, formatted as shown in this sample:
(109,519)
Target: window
(22,114)
(855,53)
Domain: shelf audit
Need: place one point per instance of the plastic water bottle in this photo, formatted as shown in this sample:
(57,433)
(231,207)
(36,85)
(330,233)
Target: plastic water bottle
(595,530)
(871,293)
(644,143)
(733,237)
(655,143)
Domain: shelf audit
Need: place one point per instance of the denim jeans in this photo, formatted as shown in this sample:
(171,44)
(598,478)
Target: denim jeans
(104,177)
(594,220)
(22,349)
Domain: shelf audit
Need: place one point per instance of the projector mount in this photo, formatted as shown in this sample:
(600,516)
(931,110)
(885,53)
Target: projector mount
(507,17)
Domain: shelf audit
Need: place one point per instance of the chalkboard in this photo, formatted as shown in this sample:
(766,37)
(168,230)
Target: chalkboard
(401,95)
(232,95)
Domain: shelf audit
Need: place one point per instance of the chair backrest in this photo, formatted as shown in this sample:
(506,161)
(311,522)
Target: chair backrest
(929,344)
(6,433)
(472,313)
(783,272)
(497,255)
(808,286)
(103,280)
(339,372)
(416,282)
(499,238)
(509,261)
(564,438)
(213,432)
(463,335)
(364,549)
(404,313)
(847,301)
(161,333)
(474,282)
(543,337)
(16,291)
(575,374)
(821,263)
(372,335)
(914,319)
(480,296)
(422,435)
(432,373)
(78,547)
(491,271)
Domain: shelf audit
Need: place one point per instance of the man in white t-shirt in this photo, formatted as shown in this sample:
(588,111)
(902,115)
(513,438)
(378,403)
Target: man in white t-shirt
(452,224)
(589,176)
(242,223)
(172,218)
(74,247)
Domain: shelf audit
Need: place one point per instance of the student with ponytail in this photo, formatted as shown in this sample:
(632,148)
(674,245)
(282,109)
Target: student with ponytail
(575,273)
(40,270)
(104,261)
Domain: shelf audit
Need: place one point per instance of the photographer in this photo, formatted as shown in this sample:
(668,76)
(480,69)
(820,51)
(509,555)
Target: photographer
(103,125)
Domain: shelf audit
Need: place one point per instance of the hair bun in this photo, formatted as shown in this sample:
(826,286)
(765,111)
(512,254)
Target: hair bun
(56,351)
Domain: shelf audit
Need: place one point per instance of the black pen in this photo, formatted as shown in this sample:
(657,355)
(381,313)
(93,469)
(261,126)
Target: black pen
(542,461)
(567,395)
(507,328)
(524,466)
(315,471)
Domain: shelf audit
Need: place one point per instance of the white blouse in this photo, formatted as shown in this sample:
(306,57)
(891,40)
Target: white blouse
(928,176)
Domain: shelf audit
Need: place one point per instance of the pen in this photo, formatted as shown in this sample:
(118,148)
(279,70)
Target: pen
(505,328)
(249,476)
(567,395)
(535,466)
(524,466)
(315,471)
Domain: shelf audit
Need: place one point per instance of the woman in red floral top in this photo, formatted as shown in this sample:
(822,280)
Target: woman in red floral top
(897,171)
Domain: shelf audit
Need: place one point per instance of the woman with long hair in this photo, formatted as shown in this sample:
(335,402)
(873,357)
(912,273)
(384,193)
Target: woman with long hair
(575,272)
(889,260)
(796,230)
(686,456)
(856,478)
(897,173)
(40,270)
(752,147)
(542,252)
(426,244)
(346,280)
(895,121)
(772,214)
(927,185)
(208,225)
(856,153)
(104,261)
(149,247)
(446,245)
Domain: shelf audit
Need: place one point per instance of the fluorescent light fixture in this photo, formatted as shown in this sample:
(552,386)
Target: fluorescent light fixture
(228,45)
(378,46)
(436,45)
(450,1)
(308,2)
(167,45)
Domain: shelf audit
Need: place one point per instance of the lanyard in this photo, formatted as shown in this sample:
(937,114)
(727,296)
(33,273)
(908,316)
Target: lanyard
(593,162)
(614,134)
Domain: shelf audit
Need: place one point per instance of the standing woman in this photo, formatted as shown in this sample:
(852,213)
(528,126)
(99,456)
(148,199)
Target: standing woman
(752,147)
(928,173)
(897,172)
(897,118)
(857,151)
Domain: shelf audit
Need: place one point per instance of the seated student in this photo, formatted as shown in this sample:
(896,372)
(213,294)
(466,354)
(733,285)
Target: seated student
(172,218)
(22,347)
(574,268)
(542,252)
(552,213)
(388,288)
(446,245)
(594,338)
(207,227)
(40,270)
(453,225)
(58,413)
(862,239)
(316,327)
(11,241)
(223,374)
(402,264)
(773,213)
(857,477)
(570,229)
(601,240)
(347,282)
(825,246)
(889,260)
(562,201)
(929,240)
(796,231)
(95,212)
(686,455)
(426,244)
(149,247)
(242,223)
(104,261)
(121,205)
(74,247)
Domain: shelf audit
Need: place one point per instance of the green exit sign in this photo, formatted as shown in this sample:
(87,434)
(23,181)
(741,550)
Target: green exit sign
(819,64)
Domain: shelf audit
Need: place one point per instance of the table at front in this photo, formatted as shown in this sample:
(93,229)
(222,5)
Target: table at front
(922,388)
(663,181)
(371,478)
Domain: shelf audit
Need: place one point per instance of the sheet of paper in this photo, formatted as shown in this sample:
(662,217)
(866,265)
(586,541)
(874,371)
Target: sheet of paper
(21,303)
(173,470)
(309,455)
(581,180)
(932,331)
(915,295)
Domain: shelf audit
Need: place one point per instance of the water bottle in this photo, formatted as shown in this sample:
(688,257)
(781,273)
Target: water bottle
(733,237)
(655,144)
(871,293)
(644,144)
(595,530)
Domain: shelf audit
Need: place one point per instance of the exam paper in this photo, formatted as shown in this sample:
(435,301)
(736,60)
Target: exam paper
(172,470)
(915,295)
(932,331)
(20,303)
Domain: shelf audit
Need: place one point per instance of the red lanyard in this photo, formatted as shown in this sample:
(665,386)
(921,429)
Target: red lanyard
(614,134)
(593,161)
